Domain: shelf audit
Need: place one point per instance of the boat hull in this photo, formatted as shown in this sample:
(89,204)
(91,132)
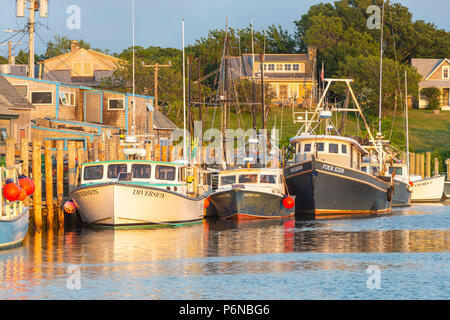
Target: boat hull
(428,189)
(13,231)
(402,194)
(129,205)
(447,189)
(323,190)
(241,204)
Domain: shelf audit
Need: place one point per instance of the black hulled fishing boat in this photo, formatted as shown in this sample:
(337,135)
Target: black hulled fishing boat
(326,176)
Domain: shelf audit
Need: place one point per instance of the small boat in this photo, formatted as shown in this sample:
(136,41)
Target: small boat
(251,193)
(402,185)
(140,193)
(427,189)
(13,229)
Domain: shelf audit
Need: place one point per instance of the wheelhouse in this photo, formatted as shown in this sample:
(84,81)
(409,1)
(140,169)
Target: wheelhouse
(339,150)
(252,178)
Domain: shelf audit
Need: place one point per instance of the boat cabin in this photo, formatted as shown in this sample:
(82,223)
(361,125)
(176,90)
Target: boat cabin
(252,179)
(167,175)
(400,169)
(342,151)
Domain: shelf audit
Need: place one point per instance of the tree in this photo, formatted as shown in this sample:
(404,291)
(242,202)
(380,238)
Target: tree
(433,97)
(61,45)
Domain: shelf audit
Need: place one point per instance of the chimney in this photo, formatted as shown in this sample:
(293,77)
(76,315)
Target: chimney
(74,46)
(312,52)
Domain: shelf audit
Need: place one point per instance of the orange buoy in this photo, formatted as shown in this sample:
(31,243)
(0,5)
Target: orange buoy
(69,207)
(27,184)
(288,202)
(206,203)
(11,190)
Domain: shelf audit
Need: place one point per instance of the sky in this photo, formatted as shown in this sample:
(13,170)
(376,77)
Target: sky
(107,24)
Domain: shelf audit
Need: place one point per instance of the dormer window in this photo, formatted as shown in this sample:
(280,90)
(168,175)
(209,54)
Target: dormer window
(446,72)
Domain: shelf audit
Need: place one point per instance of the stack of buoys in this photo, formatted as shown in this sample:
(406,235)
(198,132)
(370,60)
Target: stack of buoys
(69,207)
(14,192)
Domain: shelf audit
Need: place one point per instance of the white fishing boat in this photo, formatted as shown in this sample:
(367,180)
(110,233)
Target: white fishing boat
(139,193)
(427,189)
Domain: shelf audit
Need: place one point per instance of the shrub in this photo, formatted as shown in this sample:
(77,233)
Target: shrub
(433,97)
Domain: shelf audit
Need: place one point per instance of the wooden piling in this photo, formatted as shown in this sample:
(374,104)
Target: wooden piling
(448,169)
(10,152)
(71,164)
(60,179)
(412,163)
(422,165)
(149,153)
(417,162)
(37,178)
(428,164)
(80,160)
(101,151)
(90,152)
(171,153)
(49,182)
(157,152)
(164,153)
(25,156)
(436,167)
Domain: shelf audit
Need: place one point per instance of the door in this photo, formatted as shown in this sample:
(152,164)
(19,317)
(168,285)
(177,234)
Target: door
(445,96)
(93,102)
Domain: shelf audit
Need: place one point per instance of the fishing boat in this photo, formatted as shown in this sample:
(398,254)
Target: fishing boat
(402,184)
(427,189)
(252,193)
(326,175)
(140,193)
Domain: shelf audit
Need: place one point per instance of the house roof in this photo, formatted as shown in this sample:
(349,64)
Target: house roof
(426,67)
(5,113)
(160,121)
(11,98)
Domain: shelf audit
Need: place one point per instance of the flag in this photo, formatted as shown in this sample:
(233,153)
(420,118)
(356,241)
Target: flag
(322,74)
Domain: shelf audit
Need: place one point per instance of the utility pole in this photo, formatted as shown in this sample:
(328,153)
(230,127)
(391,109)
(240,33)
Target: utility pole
(31,38)
(10,49)
(156,66)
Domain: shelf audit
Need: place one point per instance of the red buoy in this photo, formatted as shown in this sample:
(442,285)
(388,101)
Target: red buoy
(11,191)
(206,203)
(411,183)
(288,202)
(69,207)
(27,184)
(22,195)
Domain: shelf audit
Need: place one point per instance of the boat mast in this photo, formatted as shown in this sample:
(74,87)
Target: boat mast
(184,99)
(133,128)
(406,120)
(381,73)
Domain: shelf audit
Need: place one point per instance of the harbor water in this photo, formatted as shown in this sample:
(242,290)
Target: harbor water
(403,255)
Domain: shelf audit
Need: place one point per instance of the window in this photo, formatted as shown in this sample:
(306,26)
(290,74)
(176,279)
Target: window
(165,173)
(295,67)
(22,89)
(267,178)
(344,148)
(41,98)
(82,69)
(264,67)
(320,146)
(307,147)
(67,98)
(93,173)
(141,171)
(283,91)
(374,170)
(3,135)
(115,169)
(398,171)
(445,72)
(333,148)
(116,104)
(364,169)
(271,67)
(248,178)
(287,67)
(279,67)
(227,180)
